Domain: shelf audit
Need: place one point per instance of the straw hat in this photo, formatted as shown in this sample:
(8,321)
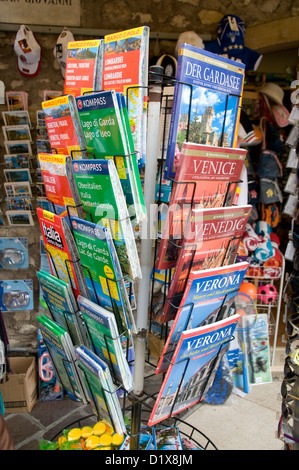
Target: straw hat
(273,91)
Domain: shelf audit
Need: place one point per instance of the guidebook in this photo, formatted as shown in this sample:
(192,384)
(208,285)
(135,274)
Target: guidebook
(103,276)
(106,340)
(103,201)
(63,126)
(62,353)
(105,134)
(83,72)
(60,186)
(62,307)
(100,389)
(193,368)
(62,251)
(125,69)
(207,298)
(211,240)
(206,103)
(206,177)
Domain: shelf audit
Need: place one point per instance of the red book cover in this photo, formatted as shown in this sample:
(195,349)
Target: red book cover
(206,177)
(61,250)
(211,240)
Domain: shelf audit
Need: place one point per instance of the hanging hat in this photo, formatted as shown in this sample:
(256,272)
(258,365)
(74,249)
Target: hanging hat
(28,51)
(231,30)
(60,49)
(273,91)
(280,115)
(188,37)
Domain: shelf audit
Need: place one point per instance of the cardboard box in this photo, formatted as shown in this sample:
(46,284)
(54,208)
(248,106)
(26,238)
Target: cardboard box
(155,345)
(20,392)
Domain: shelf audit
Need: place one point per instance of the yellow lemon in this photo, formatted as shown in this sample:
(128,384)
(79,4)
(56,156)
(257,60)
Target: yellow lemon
(92,442)
(104,448)
(105,439)
(86,431)
(99,428)
(117,439)
(74,434)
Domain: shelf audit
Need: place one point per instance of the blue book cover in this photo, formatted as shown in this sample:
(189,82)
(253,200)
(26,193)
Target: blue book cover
(207,298)
(206,102)
(193,368)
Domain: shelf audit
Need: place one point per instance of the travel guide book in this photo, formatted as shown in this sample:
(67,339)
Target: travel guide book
(207,298)
(106,340)
(63,126)
(125,69)
(103,201)
(193,368)
(206,102)
(60,186)
(62,251)
(61,304)
(105,136)
(211,240)
(103,276)
(62,354)
(83,72)
(207,175)
(100,389)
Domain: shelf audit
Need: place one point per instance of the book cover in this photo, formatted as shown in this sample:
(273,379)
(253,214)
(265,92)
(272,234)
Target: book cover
(207,298)
(61,305)
(83,72)
(103,201)
(105,135)
(60,186)
(211,240)
(106,340)
(193,368)
(206,102)
(206,177)
(62,251)
(125,69)
(257,348)
(102,271)
(100,388)
(64,131)
(62,353)
(167,438)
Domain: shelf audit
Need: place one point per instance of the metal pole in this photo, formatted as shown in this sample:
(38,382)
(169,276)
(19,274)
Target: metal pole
(146,261)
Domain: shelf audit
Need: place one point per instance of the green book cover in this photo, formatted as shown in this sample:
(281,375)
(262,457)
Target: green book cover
(105,137)
(104,280)
(103,202)
(61,303)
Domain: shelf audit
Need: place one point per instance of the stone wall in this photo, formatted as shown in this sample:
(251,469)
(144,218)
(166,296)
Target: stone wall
(171,16)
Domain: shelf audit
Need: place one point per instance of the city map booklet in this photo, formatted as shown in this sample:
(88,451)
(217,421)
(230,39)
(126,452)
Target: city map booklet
(106,341)
(62,251)
(103,202)
(100,388)
(206,102)
(62,353)
(103,276)
(63,126)
(104,122)
(193,367)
